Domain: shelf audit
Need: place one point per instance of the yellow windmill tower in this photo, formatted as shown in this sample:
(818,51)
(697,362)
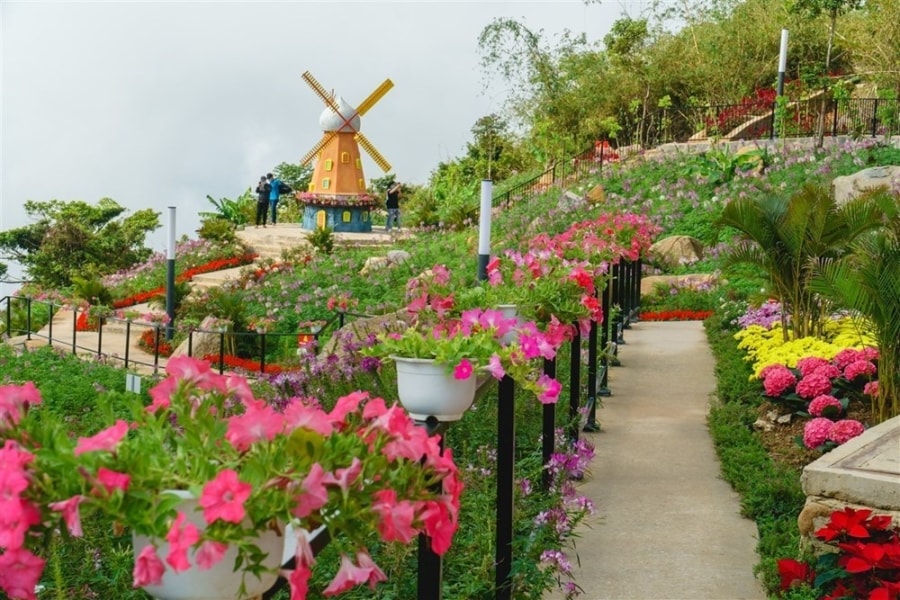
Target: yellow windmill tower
(337,195)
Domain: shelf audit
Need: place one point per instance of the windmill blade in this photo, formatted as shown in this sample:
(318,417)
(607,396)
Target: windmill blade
(307,158)
(374,97)
(320,91)
(375,154)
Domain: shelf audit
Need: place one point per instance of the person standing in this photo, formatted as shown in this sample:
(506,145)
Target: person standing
(262,200)
(393,206)
(277,188)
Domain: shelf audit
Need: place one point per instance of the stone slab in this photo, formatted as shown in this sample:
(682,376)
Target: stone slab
(865,470)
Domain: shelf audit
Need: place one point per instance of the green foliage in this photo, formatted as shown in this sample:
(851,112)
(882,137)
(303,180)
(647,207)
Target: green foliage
(296,176)
(322,239)
(240,211)
(217,229)
(76,238)
(91,290)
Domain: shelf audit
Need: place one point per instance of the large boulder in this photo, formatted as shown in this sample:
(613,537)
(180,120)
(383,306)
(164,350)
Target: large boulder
(597,195)
(205,342)
(376,263)
(850,186)
(677,250)
(360,329)
(696,281)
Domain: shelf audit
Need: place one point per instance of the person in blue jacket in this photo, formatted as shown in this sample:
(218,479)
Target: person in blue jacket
(278,187)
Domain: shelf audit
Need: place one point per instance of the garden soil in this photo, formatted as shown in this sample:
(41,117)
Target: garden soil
(666,526)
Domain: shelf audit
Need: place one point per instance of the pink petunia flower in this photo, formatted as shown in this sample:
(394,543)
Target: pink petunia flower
(16,517)
(14,400)
(106,440)
(345,405)
(259,422)
(182,535)
(70,514)
(396,518)
(845,430)
(314,495)
(223,498)
(299,414)
(21,570)
(815,432)
(148,568)
(550,389)
(376,575)
(463,370)
(825,406)
(344,478)
(210,554)
(495,367)
(112,480)
(299,580)
(348,576)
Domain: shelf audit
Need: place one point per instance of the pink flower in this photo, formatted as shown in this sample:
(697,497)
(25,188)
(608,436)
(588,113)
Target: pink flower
(495,367)
(845,430)
(809,364)
(12,457)
(439,525)
(344,478)
(463,370)
(376,575)
(70,514)
(14,400)
(825,406)
(223,498)
(148,569)
(815,432)
(348,576)
(858,368)
(550,389)
(828,370)
(298,414)
(813,385)
(396,518)
(16,516)
(210,554)
(778,380)
(259,422)
(20,571)
(106,440)
(112,480)
(161,394)
(345,405)
(314,495)
(181,537)
(871,388)
(299,580)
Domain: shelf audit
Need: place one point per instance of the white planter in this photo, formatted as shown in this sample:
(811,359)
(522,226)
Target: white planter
(426,389)
(219,582)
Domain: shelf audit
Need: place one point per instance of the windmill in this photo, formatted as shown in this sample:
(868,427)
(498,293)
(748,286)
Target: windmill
(338,172)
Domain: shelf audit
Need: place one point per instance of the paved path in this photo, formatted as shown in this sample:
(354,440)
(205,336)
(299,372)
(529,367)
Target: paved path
(667,526)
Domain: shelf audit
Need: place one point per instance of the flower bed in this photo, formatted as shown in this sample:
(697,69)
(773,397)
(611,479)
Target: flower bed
(676,315)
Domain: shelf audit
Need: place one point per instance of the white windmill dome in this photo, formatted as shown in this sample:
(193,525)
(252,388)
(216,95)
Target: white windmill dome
(330,120)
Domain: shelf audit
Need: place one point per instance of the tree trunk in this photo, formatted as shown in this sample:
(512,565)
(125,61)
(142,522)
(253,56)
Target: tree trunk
(820,124)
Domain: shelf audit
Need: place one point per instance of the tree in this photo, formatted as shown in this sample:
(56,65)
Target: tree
(833,8)
(76,238)
(790,237)
(296,176)
(867,281)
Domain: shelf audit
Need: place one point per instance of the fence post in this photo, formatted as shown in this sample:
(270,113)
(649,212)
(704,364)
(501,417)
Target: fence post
(875,118)
(156,351)
(430,572)
(9,315)
(506,450)
(772,122)
(49,325)
(262,353)
(574,384)
(99,337)
(604,340)
(834,117)
(127,340)
(590,425)
(548,431)
(75,331)
(28,318)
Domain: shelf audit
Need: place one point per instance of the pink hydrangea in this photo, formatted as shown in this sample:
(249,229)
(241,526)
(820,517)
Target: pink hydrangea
(825,404)
(808,365)
(871,388)
(815,432)
(828,370)
(869,353)
(858,368)
(778,380)
(845,357)
(813,385)
(845,430)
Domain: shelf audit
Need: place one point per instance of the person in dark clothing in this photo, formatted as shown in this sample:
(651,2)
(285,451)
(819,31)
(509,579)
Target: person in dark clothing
(262,200)
(393,206)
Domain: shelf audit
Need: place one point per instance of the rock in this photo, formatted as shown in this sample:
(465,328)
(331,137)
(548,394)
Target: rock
(695,281)
(677,250)
(850,186)
(597,195)
(570,201)
(755,163)
(784,419)
(763,425)
(772,415)
(361,328)
(375,263)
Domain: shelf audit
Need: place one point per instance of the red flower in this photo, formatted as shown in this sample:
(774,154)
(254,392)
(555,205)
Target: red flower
(849,521)
(223,498)
(794,573)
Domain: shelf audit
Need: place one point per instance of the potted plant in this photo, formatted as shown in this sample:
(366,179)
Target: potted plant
(207,476)
(453,349)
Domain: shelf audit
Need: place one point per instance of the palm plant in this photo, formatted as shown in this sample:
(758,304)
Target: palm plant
(868,282)
(790,237)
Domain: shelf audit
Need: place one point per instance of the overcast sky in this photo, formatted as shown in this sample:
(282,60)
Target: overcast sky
(158,104)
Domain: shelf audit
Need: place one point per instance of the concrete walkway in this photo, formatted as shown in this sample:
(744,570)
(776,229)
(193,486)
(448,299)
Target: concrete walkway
(666,525)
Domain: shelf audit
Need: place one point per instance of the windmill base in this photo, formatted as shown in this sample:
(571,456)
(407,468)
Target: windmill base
(341,219)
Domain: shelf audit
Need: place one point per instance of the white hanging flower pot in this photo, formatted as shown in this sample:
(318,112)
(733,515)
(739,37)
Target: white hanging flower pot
(220,582)
(426,389)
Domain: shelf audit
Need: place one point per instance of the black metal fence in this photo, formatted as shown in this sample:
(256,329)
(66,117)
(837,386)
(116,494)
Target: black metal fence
(759,120)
